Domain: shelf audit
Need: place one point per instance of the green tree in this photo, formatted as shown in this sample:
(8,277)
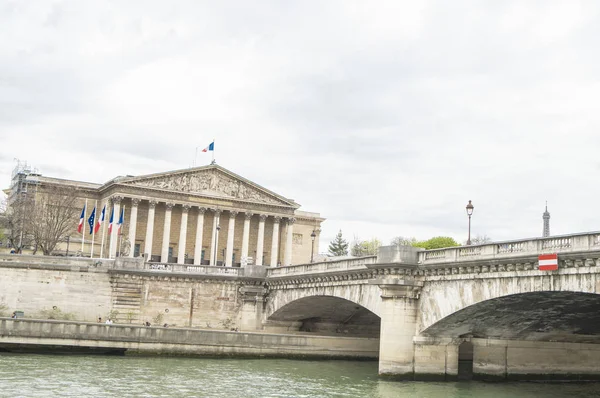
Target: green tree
(338,246)
(365,247)
(438,242)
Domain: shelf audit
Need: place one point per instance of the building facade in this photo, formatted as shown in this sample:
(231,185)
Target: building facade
(202,216)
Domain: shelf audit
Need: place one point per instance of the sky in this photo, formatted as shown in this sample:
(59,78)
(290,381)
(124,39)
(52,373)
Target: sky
(385,117)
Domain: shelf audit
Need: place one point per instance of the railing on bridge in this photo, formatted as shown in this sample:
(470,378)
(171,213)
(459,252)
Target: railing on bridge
(194,269)
(323,267)
(554,244)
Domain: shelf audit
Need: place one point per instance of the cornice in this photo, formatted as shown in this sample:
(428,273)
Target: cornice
(194,199)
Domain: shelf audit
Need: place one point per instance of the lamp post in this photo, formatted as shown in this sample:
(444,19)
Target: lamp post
(470,208)
(217,244)
(312,250)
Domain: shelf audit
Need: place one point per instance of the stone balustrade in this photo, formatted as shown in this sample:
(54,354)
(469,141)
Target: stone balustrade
(55,260)
(322,267)
(506,250)
(510,249)
(194,269)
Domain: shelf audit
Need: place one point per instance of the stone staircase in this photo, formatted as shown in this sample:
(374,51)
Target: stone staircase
(127,300)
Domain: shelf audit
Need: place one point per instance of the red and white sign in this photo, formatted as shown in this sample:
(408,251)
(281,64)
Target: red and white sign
(548,262)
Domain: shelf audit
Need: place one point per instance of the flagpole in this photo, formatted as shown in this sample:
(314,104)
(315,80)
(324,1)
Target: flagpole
(93,227)
(213,151)
(103,231)
(83,229)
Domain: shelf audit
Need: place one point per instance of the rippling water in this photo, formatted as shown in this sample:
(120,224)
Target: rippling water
(103,376)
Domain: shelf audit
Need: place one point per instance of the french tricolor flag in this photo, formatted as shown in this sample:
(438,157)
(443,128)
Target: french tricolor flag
(110,222)
(81,219)
(121,217)
(100,220)
(211,147)
(548,262)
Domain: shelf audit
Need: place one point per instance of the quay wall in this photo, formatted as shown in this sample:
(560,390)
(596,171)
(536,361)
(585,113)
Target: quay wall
(83,290)
(18,333)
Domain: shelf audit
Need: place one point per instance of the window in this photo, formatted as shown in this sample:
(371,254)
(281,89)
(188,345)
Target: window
(136,250)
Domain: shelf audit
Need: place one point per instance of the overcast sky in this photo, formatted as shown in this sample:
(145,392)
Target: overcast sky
(384,116)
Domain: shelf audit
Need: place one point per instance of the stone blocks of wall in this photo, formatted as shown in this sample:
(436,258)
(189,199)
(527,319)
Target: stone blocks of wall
(531,360)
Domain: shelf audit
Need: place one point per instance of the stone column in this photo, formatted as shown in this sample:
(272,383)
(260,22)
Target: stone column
(230,234)
(246,238)
(214,238)
(275,241)
(287,259)
(261,239)
(164,256)
(114,237)
(150,229)
(199,231)
(182,235)
(399,307)
(133,225)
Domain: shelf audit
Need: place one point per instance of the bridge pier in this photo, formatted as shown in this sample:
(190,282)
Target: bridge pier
(399,309)
(251,313)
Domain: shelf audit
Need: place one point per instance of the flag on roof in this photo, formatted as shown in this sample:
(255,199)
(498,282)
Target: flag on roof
(211,147)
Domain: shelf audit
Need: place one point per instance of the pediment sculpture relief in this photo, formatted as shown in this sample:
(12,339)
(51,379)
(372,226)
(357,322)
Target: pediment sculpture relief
(208,183)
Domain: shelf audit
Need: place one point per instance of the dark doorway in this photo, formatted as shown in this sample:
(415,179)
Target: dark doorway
(465,361)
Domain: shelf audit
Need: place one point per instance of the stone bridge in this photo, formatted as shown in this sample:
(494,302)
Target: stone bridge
(425,304)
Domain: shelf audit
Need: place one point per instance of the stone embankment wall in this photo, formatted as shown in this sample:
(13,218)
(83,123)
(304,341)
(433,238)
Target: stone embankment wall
(43,290)
(16,335)
(84,290)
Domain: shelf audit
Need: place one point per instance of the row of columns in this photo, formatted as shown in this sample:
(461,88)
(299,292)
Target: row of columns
(199,229)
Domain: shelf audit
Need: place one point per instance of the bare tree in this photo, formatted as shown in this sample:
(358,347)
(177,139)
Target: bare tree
(15,222)
(53,216)
(402,241)
(480,240)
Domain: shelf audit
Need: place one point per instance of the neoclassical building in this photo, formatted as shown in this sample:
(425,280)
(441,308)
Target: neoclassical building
(204,216)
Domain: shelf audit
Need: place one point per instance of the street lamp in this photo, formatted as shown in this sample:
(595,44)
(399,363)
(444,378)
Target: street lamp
(470,208)
(312,250)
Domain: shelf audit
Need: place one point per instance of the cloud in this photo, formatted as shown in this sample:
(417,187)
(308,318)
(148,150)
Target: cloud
(386,117)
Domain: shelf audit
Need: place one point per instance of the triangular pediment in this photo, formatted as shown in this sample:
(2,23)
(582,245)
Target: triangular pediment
(211,181)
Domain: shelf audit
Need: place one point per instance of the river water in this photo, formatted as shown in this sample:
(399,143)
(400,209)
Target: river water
(107,376)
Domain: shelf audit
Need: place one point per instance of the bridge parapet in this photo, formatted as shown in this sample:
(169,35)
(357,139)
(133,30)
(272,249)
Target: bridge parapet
(194,269)
(510,249)
(323,267)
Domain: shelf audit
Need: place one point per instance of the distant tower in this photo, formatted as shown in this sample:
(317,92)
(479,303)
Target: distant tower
(546,218)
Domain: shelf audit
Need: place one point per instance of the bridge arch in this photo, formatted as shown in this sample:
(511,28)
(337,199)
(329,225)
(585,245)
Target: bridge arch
(562,316)
(328,315)
(443,297)
(350,309)
(363,294)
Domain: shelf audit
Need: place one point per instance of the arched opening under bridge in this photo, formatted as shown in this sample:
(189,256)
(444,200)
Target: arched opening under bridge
(328,315)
